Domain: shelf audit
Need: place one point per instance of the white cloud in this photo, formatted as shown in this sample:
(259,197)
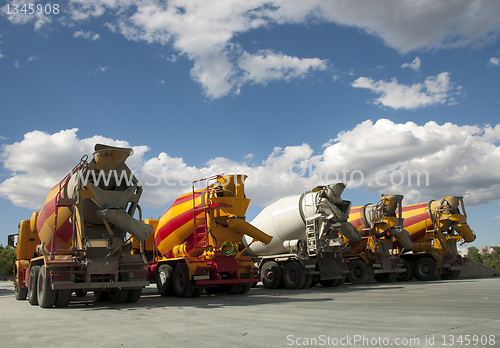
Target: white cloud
(460,160)
(86,35)
(208,32)
(41,160)
(99,69)
(265,66)
(415,65)
(30,59)
(1,55)
(494,61)
(434,90)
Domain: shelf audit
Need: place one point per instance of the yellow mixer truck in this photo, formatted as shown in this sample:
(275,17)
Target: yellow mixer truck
(376,256)
(78,241)
(197,241)
(435,228)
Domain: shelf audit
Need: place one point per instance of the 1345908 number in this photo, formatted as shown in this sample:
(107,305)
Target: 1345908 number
(468,340)
(29,9)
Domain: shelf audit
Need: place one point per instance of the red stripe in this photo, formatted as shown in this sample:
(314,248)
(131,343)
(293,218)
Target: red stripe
(355,210)
(184,199)
(415,206)
(415,219)
(357,222)
(173,224)
(64,234)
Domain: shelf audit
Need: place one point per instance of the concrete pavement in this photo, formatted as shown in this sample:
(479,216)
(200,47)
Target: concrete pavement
(411,314)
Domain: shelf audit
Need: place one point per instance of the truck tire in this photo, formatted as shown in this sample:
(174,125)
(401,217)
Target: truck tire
(63,298)
(101,296)
(271,274)
(234,289)
(182,285)
(197,292)
(293,275)
(80,293)
(327,283)
(119,295)
(385,277)
(246,288)
(134,295)
(449,275)
(426,269)
(46,296)
(164,280)
(33,286)
(358,272)
(309,281)
(20,293)
(408,274)
(212,290)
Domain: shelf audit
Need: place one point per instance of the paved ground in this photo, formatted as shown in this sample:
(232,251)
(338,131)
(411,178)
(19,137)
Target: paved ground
(413,314)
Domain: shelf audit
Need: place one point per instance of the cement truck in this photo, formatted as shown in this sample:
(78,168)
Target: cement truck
(307,233)
(197,241)
(435,228)
(375,256)
(78,241)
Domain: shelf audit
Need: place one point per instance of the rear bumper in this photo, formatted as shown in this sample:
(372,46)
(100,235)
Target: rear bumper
(61,285)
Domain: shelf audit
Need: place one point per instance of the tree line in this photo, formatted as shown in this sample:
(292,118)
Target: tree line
(489,256)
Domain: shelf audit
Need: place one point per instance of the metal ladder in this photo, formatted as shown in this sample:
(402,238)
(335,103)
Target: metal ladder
(61,201)
(311,232)
(200,230)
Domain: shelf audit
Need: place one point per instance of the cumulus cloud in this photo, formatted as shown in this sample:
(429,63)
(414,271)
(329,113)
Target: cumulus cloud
(494,61)
(422,162)
(86,35)
(415,65)
(207,33)
(41,160)
(434,90)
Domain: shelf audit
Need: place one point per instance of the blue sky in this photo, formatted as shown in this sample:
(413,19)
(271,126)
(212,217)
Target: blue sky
(287,92)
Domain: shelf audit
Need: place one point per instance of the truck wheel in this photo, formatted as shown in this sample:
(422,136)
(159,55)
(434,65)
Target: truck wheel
(339,281)
(234,289)
(101,296)
(358,272)
(46,296)
(408,274)
(293,275)
(164,280)
(33,286)
(214,290)
(326,283)
(63,298)
(453,275)
(197,292)
(182,285)
(118,295)
(385,277)
(80,293)
(271,274)
(134,295)
(246,288)
(426,269)
(309,280)
(449,275)
(20,293)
